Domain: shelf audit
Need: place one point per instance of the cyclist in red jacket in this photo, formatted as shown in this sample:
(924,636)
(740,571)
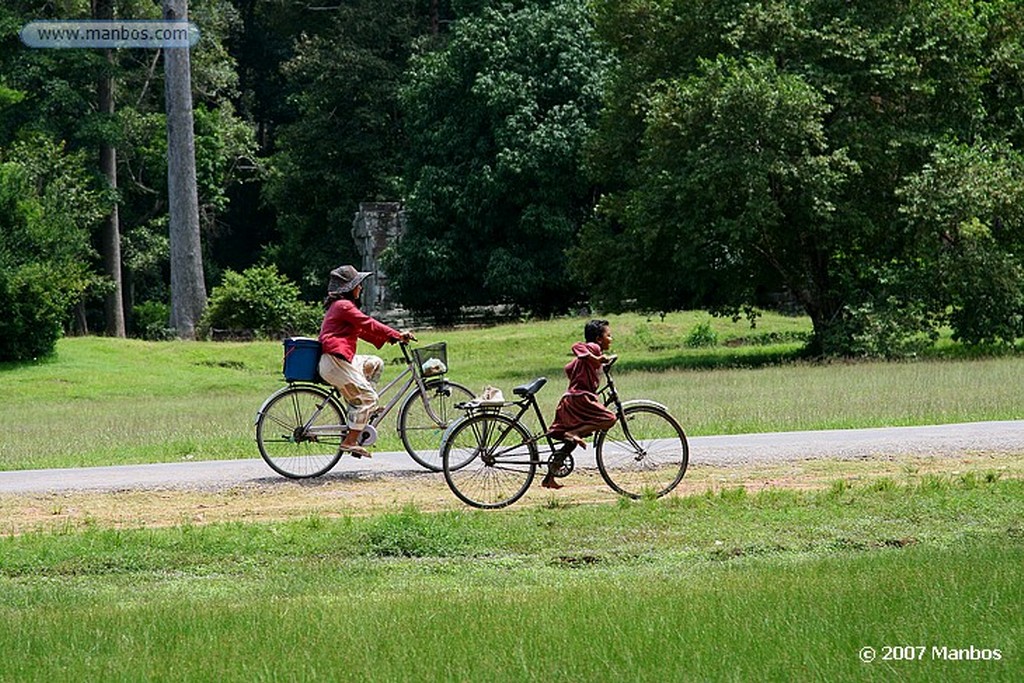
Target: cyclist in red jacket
(354,375)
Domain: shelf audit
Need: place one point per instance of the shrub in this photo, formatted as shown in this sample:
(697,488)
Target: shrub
(701,336)
(259,301)
(151,320)
(886,329)
(30,316)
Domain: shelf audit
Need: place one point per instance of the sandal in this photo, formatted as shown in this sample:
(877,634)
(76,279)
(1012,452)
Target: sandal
(355,451)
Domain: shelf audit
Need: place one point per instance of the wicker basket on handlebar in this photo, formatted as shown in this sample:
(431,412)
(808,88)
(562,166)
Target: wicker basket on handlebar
(432,359)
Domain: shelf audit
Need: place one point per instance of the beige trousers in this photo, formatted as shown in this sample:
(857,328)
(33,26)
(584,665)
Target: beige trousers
(355,381)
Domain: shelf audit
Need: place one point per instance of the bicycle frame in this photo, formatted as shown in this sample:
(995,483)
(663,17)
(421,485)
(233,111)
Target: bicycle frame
(417,379)
(608,392)
(613,398)
(528,402)
(381,413)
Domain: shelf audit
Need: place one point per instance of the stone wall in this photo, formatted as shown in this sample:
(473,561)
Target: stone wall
(375,226)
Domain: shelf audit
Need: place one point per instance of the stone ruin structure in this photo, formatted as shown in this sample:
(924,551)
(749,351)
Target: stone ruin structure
(375,226)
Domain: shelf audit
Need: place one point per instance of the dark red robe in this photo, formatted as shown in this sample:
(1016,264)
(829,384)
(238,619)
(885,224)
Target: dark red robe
(580,405)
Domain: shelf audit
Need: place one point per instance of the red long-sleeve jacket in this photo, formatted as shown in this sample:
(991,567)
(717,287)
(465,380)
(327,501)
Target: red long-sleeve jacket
(344,325)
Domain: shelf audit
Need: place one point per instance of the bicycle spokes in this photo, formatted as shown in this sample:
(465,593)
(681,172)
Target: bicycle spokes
(489,460)
(644,453)
(299,431)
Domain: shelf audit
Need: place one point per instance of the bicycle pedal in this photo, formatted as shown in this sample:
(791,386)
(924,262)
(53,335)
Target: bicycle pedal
(565,469)
(369,436)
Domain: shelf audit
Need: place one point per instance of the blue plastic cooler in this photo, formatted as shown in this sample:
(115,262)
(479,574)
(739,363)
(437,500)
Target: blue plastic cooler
(301,358)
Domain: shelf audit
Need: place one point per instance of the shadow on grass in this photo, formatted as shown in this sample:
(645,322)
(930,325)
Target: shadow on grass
(690,361)
(720,358)
(28,362)
(752,358)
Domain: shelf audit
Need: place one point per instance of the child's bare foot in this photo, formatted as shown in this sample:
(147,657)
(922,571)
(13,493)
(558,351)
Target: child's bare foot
(576,440)
(550,483)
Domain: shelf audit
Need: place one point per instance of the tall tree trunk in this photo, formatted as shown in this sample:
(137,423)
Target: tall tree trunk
(111,238)
(188,290)
(80,325)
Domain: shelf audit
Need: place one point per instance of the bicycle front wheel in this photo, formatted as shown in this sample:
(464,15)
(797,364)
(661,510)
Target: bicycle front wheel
(299,431)
(489,460)
(420,430)
(651,460)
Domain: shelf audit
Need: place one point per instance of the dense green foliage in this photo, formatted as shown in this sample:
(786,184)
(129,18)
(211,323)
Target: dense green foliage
(56,97)
(46,208)
(966,207)
(345,144)
(858,161)
(767,153)
(496,119)
(259,301)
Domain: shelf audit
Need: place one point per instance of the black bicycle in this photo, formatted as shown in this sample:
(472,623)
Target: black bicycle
(490,457)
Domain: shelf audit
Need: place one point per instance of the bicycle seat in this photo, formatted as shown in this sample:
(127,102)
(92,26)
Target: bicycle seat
(530,389)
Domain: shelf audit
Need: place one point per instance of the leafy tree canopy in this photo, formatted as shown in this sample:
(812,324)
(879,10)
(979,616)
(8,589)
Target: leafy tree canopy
(345,145)
(46,208)
(751,149)
(496,119)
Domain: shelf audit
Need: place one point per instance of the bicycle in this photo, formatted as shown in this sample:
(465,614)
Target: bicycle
(490,458)
(299,428)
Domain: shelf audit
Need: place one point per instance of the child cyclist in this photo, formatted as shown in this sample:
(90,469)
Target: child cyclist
(580,412)
(354,375)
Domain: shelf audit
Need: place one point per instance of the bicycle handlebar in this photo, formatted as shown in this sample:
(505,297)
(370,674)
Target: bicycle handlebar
(404,343)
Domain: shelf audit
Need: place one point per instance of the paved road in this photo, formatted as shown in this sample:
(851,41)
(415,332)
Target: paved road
(942,440)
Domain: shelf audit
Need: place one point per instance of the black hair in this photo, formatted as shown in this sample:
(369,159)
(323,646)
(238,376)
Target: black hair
(593,329)
(334,296)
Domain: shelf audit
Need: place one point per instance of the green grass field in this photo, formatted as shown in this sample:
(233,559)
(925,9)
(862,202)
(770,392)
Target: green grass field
(107,401)
(729,586)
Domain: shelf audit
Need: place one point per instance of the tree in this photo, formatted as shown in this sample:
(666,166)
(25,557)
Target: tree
(739,150)
(966,207)
(495,120)
(225,152)
(764,155)
(188,287)
(346,143)
(111,233)
(46,208)
(60,98)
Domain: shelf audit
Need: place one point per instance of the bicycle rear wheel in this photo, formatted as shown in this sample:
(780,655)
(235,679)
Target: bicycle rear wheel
(655,464)
(421,433)
(299,430)
(488,460)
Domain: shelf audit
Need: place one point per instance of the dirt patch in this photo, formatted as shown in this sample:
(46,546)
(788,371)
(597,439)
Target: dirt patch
(284,499)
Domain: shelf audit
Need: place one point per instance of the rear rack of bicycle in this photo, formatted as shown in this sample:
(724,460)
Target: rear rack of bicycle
(478,405)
